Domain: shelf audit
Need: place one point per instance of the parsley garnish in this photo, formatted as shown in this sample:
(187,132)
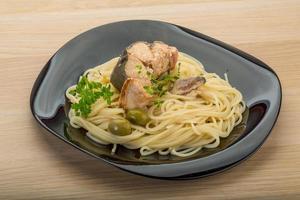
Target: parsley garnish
(158,102)
(139,68)
(73,92)
(148,74)
(149,89)
(160,86)
(89,92)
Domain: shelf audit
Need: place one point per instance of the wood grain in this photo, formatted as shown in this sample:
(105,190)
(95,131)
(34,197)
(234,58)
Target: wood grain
(37,165)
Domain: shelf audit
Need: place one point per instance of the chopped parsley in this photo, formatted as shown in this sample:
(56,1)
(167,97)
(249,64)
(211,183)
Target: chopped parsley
(149,89)
(160,86)
(139,68)
(148,74)
(158,102)
(89,92)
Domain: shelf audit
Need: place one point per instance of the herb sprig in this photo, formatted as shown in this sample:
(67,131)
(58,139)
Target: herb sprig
(89,92)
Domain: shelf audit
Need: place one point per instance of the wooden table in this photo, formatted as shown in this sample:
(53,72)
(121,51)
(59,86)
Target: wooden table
(36,165)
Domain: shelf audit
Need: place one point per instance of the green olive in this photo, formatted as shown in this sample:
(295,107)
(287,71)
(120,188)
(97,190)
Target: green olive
(119,127)
(137,116)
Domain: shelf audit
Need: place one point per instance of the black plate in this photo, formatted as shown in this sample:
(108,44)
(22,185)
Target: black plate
(258,83)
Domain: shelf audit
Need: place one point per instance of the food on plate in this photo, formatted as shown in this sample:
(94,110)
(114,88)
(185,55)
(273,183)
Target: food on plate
(155,99)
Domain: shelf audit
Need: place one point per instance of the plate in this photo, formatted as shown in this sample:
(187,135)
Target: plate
(257,82)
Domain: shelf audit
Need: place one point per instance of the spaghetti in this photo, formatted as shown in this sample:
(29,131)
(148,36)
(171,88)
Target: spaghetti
(182,125)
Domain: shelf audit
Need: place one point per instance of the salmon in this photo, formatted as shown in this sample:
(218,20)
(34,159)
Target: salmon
(131,73)
(158,55)
(142,51)
(133,94)
(164,57)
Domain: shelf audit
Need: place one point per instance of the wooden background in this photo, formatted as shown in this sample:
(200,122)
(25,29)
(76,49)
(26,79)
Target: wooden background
(37,165)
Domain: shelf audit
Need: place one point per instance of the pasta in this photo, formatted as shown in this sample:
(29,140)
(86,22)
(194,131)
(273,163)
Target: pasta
(182,125)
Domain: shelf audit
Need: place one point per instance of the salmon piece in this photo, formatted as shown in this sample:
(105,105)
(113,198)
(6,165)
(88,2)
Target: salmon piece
(142,51)
(133,94)
(164,57)
(131,73)
(158,55)
(128,66)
